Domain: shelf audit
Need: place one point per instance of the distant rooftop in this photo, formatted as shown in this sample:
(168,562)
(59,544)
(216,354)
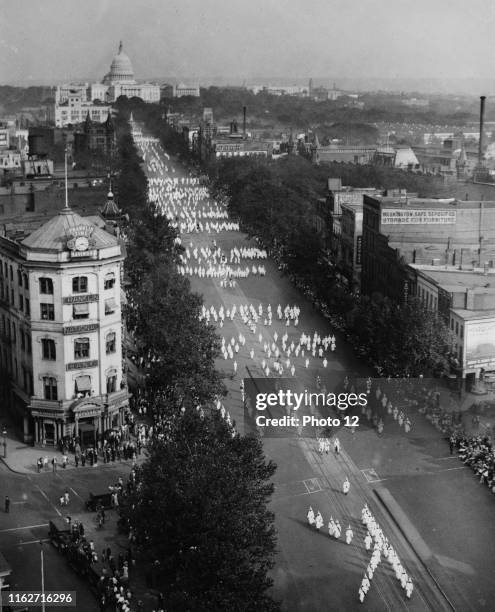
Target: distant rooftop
(454,281)
(470,315)
(427,203)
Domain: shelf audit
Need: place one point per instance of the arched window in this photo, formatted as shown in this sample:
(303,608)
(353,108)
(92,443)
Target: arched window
(109,280)
(111,343)
(112,381)
(48,349)
(81,348)
(80,284)
(50,388)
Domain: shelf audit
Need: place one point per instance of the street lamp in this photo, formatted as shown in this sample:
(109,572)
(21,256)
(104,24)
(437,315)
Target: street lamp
(4,434)
(42,578)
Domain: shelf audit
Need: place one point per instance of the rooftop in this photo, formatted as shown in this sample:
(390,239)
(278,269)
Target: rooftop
(429,203)
(473,315)
(454,281)
(53,235)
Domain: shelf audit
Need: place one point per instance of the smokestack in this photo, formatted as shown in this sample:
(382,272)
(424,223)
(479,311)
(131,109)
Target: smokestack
(244,121)
(482,124)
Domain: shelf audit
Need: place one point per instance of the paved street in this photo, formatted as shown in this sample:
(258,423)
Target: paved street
(428,504)
(34,502)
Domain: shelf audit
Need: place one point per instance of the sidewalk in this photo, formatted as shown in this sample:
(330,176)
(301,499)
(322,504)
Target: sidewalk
(22,458)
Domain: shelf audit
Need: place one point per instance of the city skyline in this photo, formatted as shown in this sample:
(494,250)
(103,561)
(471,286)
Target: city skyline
(376,41)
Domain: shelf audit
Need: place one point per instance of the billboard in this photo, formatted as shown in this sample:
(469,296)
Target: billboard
(480,343)
(412,216)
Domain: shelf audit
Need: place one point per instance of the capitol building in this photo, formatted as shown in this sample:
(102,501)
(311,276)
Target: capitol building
(73,101)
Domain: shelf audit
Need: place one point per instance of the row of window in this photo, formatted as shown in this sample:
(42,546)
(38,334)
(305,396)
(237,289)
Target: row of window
(82,386)
(428,299)
(79,311)
(81,347)
(7,272)
(459,328)
(79,284)
(9,331)
(9,363)
(24,303)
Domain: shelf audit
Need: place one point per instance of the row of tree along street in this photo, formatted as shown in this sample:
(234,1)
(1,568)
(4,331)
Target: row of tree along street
(272,200)
(198,510)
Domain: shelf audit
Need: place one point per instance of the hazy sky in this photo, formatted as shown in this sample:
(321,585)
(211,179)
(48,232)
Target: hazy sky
(53,40)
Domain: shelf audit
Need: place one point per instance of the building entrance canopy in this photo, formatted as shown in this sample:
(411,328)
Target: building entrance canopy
(87,410)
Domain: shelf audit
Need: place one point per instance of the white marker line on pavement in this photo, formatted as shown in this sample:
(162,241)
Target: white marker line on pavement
(27,527)
(462,467)
(19,502)
(34,541)
(47,499)
(76,493)
(283,497)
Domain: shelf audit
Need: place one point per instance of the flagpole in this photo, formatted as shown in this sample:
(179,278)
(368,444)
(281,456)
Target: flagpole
(66,187)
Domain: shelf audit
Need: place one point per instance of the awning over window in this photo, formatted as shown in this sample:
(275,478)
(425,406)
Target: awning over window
(110,276)
(83,383)
(110,305)
(81,309)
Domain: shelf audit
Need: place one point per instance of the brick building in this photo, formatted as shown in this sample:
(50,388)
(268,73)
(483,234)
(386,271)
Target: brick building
(397,232)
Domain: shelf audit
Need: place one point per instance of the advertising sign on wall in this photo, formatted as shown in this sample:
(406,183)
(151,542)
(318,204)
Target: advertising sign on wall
(480,343)
(411,216)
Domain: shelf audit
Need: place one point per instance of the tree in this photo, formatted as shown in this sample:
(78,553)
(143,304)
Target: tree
(403,340)
(200,509)
(180,349)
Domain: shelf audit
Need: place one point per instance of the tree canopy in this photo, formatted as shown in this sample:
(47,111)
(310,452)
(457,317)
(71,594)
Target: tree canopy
(199,509)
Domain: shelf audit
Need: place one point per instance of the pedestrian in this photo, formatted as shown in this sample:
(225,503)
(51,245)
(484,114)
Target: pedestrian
(452,444)
(54,464)
(349,535)
(346,486)
(45,463)
(66,497)
(361,595)
(76,460)
(7,504)
(336,446)
(311,516)
(331,527)
(40,464)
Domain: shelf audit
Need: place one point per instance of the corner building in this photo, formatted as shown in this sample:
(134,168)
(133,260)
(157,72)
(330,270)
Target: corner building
(61,331)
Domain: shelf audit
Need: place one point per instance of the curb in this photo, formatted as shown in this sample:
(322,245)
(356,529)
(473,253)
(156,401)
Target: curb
(61,469)
(10,468)
(390,505)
